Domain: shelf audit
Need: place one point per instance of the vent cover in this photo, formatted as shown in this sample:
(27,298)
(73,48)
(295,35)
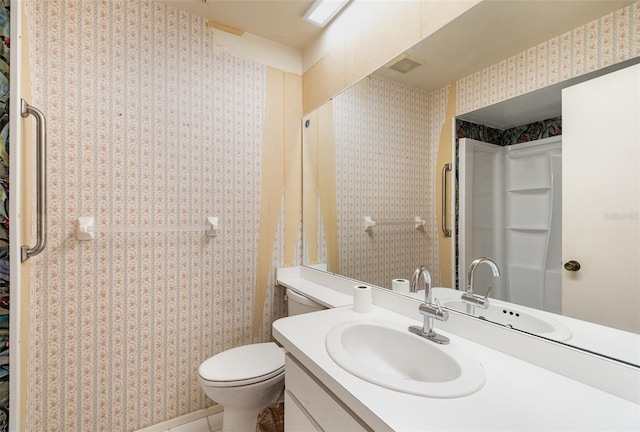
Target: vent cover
(405,63)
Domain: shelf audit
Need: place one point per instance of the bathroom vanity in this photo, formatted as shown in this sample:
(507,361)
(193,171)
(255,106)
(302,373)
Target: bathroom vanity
(517,393)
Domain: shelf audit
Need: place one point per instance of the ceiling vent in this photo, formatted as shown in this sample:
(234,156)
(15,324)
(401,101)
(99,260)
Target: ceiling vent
(404,63)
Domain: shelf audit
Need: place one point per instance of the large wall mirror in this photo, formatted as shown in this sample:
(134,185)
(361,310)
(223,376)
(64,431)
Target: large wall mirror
(374,175)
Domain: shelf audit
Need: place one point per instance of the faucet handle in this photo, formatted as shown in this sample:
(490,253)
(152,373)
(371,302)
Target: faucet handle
(477,300)
(486,296)
(438,305)
(443,315)
(434,311)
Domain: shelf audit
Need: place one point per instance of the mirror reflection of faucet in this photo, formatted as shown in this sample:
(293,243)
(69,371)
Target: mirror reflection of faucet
(428,309)
(469,297)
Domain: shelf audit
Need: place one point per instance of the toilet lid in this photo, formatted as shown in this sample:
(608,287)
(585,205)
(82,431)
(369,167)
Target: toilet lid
(244,364)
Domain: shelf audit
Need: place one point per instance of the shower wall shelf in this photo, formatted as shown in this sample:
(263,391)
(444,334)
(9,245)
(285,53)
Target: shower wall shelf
(87,228)
(530,190)
(528,228)
(369,224)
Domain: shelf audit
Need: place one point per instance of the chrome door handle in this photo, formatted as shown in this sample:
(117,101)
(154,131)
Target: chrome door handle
(446,231)
(41,181)
(572,266)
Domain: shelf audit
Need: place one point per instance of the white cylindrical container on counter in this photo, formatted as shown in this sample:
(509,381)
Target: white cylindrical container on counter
(400,285)
(362,299)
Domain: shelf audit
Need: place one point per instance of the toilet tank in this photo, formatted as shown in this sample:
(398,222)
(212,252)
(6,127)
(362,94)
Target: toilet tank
(298,304)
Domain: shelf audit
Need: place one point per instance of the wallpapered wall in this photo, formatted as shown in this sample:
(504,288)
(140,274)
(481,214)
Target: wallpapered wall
(148,125)
(516,135)
(385,164)
(600,43)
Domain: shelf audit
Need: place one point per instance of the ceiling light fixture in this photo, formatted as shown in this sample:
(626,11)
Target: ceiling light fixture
(320,12)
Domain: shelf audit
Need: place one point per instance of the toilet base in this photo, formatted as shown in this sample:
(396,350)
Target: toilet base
(244,419)
(242,405)
(240,420)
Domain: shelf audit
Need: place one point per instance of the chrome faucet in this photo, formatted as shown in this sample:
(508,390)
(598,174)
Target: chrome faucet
(469,297)
(415,279)
(427,309)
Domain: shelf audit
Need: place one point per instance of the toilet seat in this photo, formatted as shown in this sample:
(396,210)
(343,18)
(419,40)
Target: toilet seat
(243,365)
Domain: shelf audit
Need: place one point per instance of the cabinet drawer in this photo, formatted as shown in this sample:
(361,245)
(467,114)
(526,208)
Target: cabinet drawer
(318,401)
(295,417)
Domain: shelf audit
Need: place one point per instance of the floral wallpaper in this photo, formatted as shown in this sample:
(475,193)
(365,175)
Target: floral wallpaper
(5,32)
(149,124)
(608,40)
(478,132)
(384,163)
(533,131)
(516,135)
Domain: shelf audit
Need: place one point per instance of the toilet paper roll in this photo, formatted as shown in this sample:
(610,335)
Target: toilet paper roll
(362,299)
(400,285)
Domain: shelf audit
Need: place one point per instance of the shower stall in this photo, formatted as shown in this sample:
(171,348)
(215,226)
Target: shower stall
(510,209)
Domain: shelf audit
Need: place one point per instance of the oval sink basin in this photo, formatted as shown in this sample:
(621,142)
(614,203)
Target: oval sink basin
(387,354)
(514,317)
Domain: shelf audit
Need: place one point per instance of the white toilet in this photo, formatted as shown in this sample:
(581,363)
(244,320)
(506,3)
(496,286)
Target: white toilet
(247,379)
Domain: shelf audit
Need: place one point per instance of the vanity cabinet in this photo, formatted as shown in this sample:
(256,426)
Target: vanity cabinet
(321,395)
(296,418)
(310,406)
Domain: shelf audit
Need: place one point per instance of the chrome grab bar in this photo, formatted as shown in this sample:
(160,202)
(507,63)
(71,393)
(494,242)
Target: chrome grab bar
(445,230)
(41,181)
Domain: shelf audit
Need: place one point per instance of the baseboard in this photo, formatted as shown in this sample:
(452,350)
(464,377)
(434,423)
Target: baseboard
(184,419)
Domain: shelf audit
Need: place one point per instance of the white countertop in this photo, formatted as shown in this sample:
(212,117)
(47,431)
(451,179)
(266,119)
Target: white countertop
(615,343)
(516,396)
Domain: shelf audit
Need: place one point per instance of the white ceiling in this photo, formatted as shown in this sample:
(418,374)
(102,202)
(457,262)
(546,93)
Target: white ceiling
(493,31)
(276,20)
(489,32)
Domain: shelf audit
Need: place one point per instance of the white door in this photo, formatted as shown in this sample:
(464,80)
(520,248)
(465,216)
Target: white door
(601,195)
